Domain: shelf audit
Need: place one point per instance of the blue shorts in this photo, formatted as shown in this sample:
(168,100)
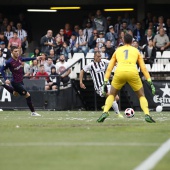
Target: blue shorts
(18,87)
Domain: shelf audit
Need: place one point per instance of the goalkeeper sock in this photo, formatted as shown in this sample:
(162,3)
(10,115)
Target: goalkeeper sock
(108,103)
(144,104)
(115,107)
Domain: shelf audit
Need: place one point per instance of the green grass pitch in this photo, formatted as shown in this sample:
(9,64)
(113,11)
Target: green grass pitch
(73,140)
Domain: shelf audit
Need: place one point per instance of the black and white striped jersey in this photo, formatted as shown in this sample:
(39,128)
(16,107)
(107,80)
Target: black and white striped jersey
(97,71)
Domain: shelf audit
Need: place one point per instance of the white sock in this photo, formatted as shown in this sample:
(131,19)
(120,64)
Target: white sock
(115,107)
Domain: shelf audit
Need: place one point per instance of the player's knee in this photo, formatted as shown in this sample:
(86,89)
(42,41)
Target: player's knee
(15,93)
(117,98)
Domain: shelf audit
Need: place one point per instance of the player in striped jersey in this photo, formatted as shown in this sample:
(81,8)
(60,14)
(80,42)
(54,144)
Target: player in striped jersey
(97,70)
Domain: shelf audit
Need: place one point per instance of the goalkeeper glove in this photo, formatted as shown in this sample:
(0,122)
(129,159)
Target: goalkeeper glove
(152,86)
(104,87)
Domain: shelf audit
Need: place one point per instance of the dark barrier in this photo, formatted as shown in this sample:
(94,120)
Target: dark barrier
(66,99)
(162,96)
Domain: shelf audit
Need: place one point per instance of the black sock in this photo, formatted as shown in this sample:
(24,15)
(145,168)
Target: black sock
(8,88)
(29,103)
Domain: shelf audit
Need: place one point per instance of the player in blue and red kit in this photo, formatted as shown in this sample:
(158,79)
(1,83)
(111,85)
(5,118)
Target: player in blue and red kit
(16,68)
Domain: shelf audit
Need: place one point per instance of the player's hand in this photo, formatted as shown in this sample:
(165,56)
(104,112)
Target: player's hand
(82,86)
(104,87)
(152,86)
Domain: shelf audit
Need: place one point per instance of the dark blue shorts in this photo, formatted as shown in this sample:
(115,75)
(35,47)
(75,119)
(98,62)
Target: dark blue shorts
(18,87)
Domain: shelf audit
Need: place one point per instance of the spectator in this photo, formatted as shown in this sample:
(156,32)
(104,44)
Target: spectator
(3,38)
(120,41)
(124,27)
(160,25)
(132,25)
(88,30)
(89,17)
(92,41)
(47,42)
(100,22)
(136,45)
(118,25)
(61,66)
(6,54)
(138,33)
(109,49)
(43,58)
(149,52)
(58,45)
(8,33)
(22,34)
(126,18)
(65,50)
(101,40)
(11,23)
(81,43)
(63,36)
(76,30)
(147,19)
(161,41)
(109,22)
(72,43)
(48,65)
(54,79)
(53,56)
(4,25)
(112,36)
(26,69)
(103,53)
(168,27)
(147,37)
(41,74)
(151,26)
(34,68)
(14,41)
(36,53)
(2,60)
(67,31)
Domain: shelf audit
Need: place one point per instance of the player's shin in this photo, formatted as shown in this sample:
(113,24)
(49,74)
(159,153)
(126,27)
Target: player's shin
(115,107)
(144,104)
(29,103)
(108,103)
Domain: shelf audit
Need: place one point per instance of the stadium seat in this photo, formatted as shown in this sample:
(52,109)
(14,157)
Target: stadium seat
(77,56)
(157,68)
(162,61)
(89,57)
(166,54)
(148,66)
(167,67)
(158,54)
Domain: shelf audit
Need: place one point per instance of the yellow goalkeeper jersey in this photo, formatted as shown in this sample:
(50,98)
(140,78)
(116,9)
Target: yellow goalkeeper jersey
(126,58)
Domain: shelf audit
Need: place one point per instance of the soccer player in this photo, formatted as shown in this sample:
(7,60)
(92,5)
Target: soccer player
(126,72)
(97,70)
(15,65)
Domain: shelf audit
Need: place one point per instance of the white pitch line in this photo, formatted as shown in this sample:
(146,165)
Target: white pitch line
(153,159)
(76,144)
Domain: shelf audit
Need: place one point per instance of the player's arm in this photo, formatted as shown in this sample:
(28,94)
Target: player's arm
(110,67)
(85,69)
(146,73)
(3,69)
(30,59)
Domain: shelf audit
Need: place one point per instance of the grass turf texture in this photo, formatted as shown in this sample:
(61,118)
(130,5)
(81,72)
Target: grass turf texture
(74,140)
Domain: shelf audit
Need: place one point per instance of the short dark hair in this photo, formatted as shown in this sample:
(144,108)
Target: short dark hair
(128,39)
(41,65)
(13,48)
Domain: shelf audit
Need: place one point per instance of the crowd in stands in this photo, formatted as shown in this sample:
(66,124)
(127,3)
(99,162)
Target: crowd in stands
(97,33)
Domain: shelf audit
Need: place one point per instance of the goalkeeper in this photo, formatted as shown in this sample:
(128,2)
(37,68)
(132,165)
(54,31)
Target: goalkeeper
(126,58)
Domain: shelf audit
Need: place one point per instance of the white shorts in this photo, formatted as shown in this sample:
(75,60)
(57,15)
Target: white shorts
(99,91)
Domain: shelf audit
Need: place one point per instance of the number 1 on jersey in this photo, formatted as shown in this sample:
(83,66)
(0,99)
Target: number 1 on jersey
(126,54)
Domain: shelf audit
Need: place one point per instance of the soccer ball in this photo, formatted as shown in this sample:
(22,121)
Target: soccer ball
(159,109)
(129,112)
